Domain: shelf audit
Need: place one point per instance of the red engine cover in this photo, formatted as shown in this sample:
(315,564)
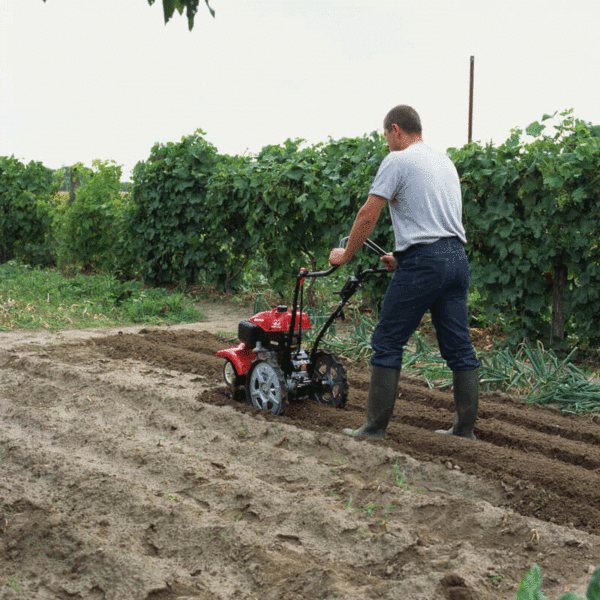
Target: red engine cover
(273,320)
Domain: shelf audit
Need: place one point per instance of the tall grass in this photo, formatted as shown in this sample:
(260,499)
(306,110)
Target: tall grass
(34,298)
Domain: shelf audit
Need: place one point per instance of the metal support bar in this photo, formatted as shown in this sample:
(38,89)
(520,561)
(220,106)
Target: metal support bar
(472,76)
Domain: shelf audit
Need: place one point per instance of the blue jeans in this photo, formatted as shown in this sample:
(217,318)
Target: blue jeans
(431,277)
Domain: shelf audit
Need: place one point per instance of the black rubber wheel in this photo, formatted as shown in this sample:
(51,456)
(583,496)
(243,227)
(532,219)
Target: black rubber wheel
(330,380)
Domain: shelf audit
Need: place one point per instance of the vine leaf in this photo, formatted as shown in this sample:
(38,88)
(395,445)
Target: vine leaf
(535,129)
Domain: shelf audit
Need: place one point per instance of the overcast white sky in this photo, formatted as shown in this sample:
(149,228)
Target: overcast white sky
(86,79)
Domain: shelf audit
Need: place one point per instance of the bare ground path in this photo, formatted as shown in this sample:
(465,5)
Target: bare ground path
(127,473)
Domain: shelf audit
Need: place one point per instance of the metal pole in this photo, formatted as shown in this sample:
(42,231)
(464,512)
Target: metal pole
(471,99)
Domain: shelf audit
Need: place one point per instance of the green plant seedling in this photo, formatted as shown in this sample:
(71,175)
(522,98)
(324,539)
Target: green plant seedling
(12,582)
(531,584)
(400,478)
(349,503)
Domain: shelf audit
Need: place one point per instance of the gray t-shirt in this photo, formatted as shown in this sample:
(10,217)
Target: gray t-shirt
(423,190)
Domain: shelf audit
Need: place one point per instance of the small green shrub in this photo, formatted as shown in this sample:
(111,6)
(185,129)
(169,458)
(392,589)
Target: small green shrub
(32,298)
(168,220)
(530,587)
(90,230)
(25,218)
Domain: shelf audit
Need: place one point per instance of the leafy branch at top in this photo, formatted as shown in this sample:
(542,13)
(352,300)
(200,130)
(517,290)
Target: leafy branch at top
(190,7)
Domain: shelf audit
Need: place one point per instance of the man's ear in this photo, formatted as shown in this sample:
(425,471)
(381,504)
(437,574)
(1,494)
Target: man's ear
(396,129)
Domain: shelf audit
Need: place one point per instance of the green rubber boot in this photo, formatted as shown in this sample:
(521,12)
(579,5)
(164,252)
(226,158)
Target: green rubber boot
(382,398)
(466,401)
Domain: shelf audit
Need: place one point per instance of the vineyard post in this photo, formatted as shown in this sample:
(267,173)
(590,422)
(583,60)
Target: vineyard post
(472,75)
(557,328)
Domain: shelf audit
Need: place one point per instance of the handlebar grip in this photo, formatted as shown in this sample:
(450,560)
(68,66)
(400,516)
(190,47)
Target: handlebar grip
(368,243)
(319,273)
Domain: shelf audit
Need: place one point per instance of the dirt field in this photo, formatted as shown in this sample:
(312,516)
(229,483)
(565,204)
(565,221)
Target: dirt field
(126,473)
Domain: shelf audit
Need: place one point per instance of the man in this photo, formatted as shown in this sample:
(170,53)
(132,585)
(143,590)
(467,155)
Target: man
(431,272)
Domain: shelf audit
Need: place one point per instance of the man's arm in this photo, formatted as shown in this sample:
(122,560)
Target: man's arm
(365,221)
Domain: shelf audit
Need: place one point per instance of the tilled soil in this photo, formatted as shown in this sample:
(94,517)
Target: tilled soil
(128,472)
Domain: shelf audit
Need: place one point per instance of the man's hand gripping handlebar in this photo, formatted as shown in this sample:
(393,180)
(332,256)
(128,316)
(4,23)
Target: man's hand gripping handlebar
(387,258)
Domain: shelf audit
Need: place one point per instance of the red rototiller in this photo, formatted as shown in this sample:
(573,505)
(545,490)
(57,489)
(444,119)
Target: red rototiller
(270,362)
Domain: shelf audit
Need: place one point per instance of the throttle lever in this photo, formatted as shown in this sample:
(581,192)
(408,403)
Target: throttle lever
(373,246)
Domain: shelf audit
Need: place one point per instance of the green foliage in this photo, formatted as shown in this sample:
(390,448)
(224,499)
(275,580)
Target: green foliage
(25,221)
(531,211)
(530,587)
(34,298)
(190,6)
(90,231)
(540,377)
(199,216)
(169,217)
(531,206)
(298,202)
(236,224)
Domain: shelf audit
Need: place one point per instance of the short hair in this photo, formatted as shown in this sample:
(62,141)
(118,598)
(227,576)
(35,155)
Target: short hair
(405,117)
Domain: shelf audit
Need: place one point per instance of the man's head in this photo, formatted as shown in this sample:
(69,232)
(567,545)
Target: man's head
(402,127)
(405,117)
